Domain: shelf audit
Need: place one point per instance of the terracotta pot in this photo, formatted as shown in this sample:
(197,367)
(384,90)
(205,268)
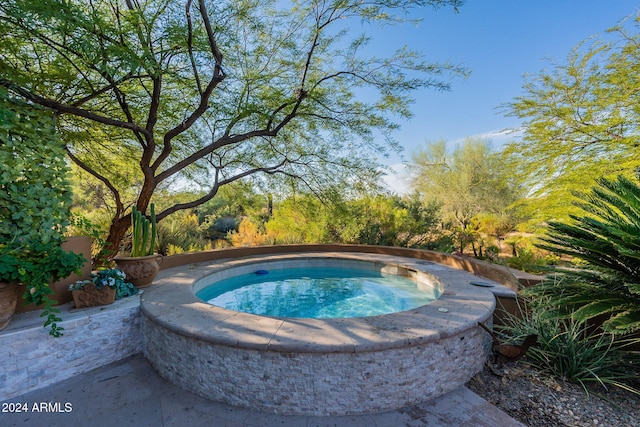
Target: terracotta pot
(90,296)
(8,300)
(139,270)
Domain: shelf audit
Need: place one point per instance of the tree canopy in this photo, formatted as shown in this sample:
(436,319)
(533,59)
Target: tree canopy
(468,180)
(581,120)
(212,92)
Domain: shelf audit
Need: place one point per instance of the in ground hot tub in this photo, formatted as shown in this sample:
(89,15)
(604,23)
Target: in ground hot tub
(333,366)
(319,290)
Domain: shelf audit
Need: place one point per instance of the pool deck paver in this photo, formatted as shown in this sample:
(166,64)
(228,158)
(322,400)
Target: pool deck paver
(130,393)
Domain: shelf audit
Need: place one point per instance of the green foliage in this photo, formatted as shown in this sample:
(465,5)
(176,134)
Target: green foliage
(390,221)
(567,348)
(34,205)
(467,181)
(125,289)
(472,187)
(371,220)
(299,220)
(581,122)
(526,256)
(113,278)
(80,225)
(174,249)
(224,213)
(36,265)
(490,230)
(526,260)
(145,233)
(34,191)
(607,237)
(155,92)
(181,232)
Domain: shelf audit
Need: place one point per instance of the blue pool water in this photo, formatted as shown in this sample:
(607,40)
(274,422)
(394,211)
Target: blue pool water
(318,292)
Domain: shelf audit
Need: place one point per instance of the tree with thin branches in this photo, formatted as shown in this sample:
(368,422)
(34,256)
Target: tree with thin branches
(212,93)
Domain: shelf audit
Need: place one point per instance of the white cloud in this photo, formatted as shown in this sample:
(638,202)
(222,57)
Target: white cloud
(497,137)
(396,180)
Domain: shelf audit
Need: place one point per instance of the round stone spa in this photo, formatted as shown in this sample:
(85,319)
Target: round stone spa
(345,361)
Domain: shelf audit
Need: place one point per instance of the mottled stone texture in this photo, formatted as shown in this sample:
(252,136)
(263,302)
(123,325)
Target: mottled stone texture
(32,359)
(316,383)
(91,296)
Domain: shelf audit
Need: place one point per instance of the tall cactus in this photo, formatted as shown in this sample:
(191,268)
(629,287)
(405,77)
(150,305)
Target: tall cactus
(154,230)
(144,232)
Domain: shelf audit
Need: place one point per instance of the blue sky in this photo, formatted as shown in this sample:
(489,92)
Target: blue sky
(500,41)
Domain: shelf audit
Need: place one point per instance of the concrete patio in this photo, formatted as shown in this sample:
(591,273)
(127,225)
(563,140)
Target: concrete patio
(130,393)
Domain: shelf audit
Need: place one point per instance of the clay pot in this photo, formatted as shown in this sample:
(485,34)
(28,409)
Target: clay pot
(139,270)
(90,296)
(8,301)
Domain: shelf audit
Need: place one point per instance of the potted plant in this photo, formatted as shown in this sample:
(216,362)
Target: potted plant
(143,264)
(104,288)
(32,267)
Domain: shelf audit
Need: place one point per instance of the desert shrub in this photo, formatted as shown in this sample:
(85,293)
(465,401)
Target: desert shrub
(530,261)
(180,232)
(572,349)
(248,234)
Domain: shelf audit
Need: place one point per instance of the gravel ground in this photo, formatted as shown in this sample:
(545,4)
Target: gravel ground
(538,400)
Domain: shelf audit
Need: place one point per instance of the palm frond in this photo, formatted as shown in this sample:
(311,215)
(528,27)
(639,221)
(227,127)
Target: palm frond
(625,323)
(607,237)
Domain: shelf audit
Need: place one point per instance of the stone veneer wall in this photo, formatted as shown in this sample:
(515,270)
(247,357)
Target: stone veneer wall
(316,383)
(93,337)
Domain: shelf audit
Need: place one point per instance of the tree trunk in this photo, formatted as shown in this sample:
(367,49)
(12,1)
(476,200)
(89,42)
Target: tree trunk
(120,226)
(117,231)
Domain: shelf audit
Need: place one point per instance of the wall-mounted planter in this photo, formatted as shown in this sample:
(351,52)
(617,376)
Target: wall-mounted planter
(90,296)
